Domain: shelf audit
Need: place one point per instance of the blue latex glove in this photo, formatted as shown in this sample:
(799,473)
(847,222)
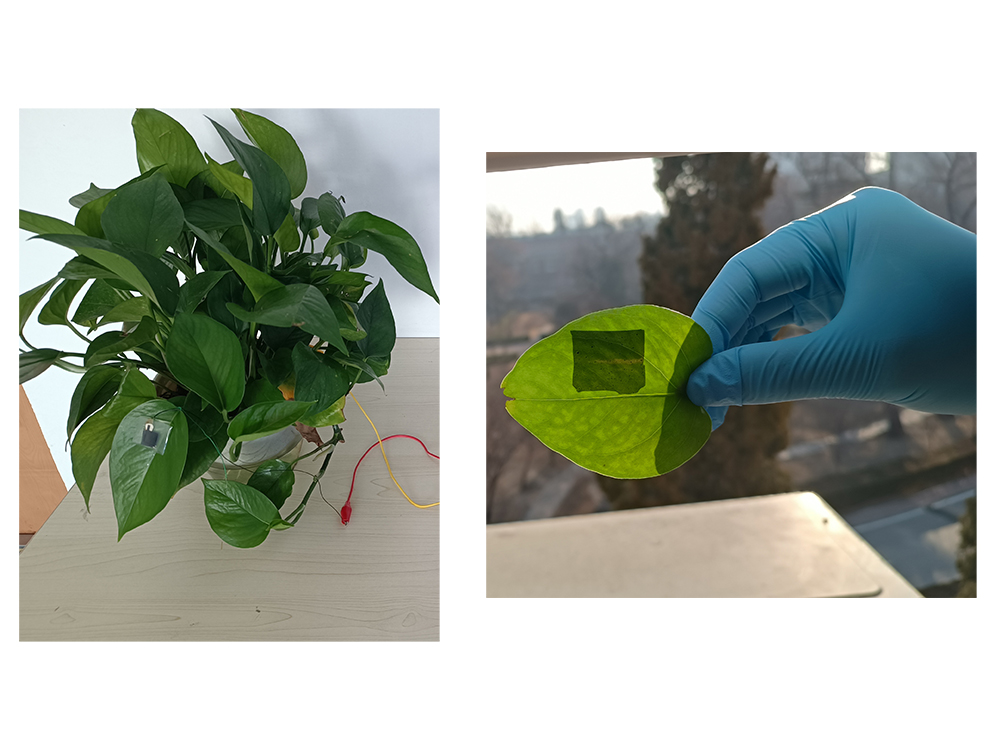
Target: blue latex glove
(889,290)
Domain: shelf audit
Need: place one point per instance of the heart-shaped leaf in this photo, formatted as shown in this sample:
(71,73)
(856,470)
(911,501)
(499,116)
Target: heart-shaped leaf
(42,224)
(391,241)
(318,379)
(267,418)
(109,344)
(144,216)
(299,305)
(258,282)
(607,391)
(238,514)
(200,455)
(93,439)
(97,386)
(375,317)
(34,363)
(274,479)
(28,301)
(99,300)
(205,356)
(277,143)
(194,291)
(160,139)
(228,177)
(271,192)
(143,272)
(145,477)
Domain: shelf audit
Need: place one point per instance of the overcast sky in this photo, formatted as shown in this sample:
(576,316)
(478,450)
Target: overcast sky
(530,196)
(381,160)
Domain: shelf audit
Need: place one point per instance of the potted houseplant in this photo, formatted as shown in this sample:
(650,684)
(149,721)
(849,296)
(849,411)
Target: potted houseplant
(226,321)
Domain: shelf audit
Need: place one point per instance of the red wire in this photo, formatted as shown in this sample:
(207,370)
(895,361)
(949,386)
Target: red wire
(345,512)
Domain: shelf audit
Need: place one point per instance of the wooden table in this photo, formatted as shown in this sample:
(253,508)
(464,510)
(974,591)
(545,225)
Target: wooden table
(789,545)
(173,579)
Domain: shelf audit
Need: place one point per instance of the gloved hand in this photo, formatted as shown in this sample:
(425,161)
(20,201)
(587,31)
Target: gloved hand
(889,290)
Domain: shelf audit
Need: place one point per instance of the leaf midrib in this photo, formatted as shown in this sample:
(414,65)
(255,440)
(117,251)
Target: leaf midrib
(599,398)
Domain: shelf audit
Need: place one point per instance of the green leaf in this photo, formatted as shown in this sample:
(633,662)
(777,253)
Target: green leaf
(288,235)
(88,218)
(240,515)
(330,212)
(201,454)
(195,290)
(145,273)
(607,391)
(56,310)
(356,362)
(94,438)
(90,194)
(228,177)
(97,386)
(392,242)
(82,268)
(261,391)
(299,305)
(177,264)
(144,216)
(375,317)
(271,192)
(143,479)
(205,356)
(351,254)
(128,311)
(28,301)
(204,420)
(108,345)
(40,224)
(160,139)
(328,276)
(277,143)
(309,215)
(328,417)
(273,479)
(99,300)
(213,213)
(318,379)
(261,420)
(34,363)
(258,282)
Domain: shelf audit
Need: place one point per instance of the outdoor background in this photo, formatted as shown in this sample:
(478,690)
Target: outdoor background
(385,161)
(566,241)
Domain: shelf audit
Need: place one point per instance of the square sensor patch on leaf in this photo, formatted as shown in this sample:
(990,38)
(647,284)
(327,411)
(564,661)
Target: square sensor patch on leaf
(609,361)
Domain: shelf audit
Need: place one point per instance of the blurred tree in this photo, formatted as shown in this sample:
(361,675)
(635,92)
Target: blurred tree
(499,223)
(712,203)
(558,221)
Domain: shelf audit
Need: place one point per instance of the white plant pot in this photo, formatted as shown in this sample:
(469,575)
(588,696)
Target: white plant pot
(283,445)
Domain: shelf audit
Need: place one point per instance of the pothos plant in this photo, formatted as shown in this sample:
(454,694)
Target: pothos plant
(228,321)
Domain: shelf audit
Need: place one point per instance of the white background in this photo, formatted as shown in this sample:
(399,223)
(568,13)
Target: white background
(385,161)
(540,673)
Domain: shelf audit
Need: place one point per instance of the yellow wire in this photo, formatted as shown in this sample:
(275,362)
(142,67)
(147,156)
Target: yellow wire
(386,458)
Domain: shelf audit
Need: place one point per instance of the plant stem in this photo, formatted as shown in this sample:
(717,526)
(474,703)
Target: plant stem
(294,516)
(73,329)
(338,437)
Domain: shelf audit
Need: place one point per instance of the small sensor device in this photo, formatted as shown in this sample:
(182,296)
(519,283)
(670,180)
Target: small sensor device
(154,434)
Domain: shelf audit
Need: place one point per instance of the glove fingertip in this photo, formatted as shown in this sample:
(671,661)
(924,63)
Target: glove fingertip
(717,382)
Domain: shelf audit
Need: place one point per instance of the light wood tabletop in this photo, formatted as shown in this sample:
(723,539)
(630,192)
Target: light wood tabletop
(376,579)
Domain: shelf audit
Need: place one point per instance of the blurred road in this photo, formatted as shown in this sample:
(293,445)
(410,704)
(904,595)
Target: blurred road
(918,534)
